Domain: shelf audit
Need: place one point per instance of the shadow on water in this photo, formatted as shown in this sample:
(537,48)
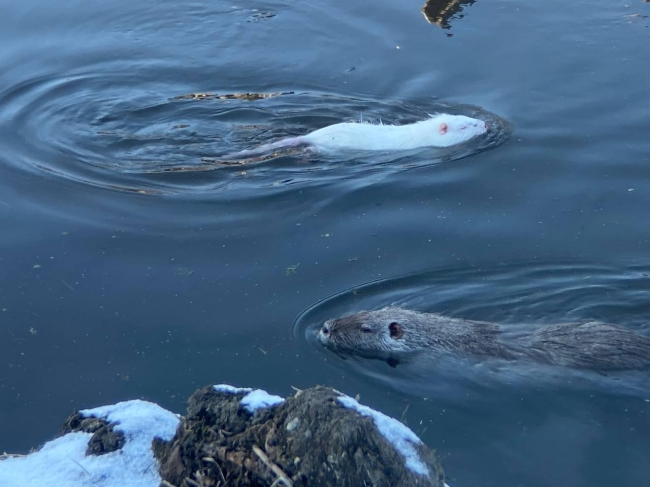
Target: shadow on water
(524,297)
(112,133)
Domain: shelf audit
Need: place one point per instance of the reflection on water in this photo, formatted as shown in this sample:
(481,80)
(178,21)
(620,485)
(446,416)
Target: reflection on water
(440,12)
(517,298)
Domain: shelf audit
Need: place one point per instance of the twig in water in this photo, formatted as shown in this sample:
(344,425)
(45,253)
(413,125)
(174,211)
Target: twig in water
(75,461)
(404,412)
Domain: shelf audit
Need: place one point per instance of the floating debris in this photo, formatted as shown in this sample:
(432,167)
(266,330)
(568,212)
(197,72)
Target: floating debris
(251,160)
(184,271)
(292,269)
(262,16)
(233,96)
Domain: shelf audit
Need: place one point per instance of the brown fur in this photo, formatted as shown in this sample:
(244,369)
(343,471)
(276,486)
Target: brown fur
(394,334)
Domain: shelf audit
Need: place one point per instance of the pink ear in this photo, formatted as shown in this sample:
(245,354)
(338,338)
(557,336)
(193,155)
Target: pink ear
(442,129)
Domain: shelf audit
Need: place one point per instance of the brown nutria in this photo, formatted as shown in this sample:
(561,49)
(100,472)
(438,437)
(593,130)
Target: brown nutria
(393,334)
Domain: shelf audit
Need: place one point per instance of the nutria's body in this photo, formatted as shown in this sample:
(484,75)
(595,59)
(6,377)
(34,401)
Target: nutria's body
(441,130)
(394,334)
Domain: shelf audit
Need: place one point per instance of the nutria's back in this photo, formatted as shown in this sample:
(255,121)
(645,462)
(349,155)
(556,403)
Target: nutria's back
(441,130)
(593,346)
(394,333)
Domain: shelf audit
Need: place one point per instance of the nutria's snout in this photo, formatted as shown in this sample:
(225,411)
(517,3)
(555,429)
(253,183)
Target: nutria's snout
(324,333)
(481,123)
(478,124)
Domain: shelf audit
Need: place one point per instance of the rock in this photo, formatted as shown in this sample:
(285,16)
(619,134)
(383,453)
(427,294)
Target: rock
(317,437)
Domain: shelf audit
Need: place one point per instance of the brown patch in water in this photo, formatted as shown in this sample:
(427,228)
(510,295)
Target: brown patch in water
(232,96)
(439,12)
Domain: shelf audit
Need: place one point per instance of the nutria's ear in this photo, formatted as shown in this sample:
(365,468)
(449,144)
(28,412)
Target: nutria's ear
(392,362)
(395,330)
(442,130)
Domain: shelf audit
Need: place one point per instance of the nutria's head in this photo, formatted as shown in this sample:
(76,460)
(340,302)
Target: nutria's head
(455,129)
(379,334)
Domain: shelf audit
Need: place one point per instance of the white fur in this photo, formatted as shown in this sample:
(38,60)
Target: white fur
(368,137)
(371,137)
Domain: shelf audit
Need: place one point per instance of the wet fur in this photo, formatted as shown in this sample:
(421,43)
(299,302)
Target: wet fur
(592,345)
(380,137)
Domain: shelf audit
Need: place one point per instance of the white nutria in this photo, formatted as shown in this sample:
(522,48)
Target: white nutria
(441,130)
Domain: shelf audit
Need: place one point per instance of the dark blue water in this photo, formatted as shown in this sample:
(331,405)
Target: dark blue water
(133,267)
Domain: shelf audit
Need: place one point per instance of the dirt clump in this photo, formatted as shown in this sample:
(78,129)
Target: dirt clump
(310,439)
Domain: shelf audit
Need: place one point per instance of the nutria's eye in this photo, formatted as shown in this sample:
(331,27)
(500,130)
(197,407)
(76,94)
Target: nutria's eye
(395,330)
(366,329)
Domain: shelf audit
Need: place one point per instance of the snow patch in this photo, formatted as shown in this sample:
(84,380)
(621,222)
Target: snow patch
(138,420)
(254,399)
(401,437)
(258,399)
(231,389)
(63,461)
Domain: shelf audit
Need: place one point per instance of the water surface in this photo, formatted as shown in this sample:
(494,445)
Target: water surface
(119,281)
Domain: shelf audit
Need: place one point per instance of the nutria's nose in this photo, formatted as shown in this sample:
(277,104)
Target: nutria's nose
(325,330)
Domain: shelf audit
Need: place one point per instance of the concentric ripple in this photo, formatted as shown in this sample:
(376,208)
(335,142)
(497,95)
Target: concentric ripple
(510,295)
(131,134)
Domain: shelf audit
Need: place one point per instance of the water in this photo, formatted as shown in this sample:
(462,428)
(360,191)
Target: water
(121,279)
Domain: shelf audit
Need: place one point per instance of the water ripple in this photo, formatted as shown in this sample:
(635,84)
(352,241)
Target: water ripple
(127,133)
